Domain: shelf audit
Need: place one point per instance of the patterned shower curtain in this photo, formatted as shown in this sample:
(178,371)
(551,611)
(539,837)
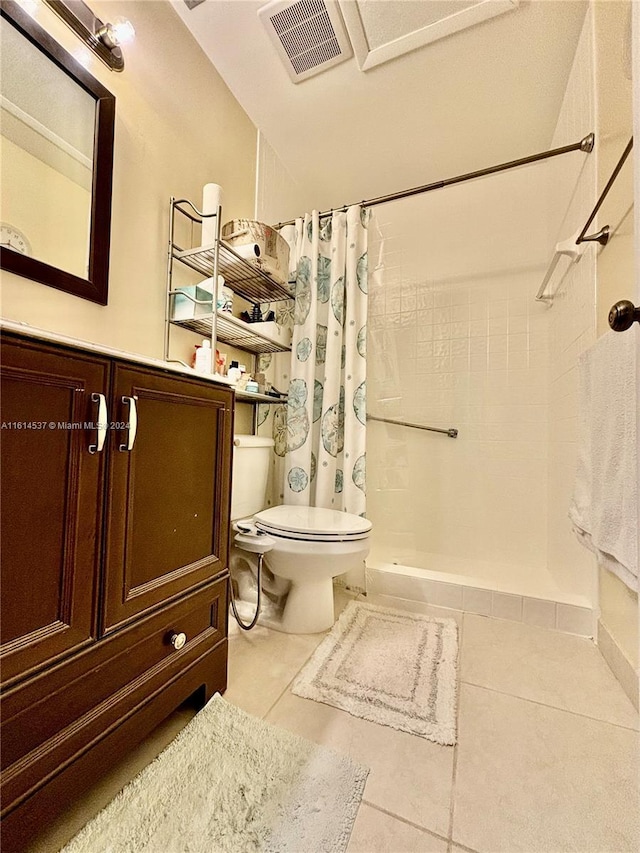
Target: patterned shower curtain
(321,433)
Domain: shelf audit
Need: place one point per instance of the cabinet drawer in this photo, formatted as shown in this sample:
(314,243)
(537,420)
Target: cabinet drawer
(53,718)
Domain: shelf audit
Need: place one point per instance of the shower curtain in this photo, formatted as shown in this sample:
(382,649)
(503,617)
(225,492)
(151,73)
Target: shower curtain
(320,434)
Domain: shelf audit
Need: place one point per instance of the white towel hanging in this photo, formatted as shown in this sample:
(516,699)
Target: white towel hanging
(604,507)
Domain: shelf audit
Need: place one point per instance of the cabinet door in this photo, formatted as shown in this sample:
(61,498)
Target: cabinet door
(168,499)
(50,503)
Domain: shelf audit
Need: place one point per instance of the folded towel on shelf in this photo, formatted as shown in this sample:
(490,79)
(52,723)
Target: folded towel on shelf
(604,506)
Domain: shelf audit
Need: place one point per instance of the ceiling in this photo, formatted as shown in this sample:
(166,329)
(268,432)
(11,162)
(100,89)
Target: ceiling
(479,96)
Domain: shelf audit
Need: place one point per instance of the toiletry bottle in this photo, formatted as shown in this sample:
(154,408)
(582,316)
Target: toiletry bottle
(203,357)
(234,373)
(221,362)
(241,384)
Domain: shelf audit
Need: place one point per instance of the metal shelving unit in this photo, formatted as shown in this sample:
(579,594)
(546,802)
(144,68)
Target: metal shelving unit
(249,281)
(253,397)
(235,332)
(245,278)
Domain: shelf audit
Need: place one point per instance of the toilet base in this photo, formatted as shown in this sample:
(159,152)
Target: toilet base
(309,608)
(292,607)
(297,581)
(311,611)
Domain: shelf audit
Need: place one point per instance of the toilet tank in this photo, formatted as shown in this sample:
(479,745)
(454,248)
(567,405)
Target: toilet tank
(251,464)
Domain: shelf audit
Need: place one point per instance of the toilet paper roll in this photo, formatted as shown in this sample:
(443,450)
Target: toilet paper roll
(211,200)
(249,251)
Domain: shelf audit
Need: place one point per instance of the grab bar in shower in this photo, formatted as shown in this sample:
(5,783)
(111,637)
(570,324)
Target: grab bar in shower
(451,432)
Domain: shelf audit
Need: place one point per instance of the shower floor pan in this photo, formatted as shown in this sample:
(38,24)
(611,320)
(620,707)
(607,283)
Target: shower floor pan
(502,590)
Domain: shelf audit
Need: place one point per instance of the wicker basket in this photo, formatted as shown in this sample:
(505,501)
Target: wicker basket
(274,249)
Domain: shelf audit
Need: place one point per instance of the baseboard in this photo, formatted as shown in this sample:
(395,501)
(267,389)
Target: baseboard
(412,584)
(619,664)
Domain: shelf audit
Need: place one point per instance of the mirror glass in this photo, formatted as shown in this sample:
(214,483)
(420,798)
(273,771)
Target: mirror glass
(46,157)
(56,161)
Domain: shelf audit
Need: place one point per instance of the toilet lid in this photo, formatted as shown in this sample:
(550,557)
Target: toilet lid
(312,523)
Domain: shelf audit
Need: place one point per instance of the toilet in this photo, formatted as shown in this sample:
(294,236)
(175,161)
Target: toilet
(304,547)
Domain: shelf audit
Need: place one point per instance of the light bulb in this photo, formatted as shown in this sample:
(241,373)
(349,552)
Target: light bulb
(123,30)
(113,35)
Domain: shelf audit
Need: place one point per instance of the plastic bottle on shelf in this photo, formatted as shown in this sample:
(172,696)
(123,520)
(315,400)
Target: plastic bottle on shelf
(202,361)
(221,362)
(234,373)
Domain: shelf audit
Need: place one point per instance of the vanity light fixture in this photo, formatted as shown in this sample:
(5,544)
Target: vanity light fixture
(104,39)
(119,32)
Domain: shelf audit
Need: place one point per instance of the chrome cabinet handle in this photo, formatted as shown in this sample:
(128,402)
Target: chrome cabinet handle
(102,423)
(178,640)
(133,424)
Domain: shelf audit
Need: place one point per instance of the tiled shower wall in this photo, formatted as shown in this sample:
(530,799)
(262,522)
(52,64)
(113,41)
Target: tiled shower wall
(456,339)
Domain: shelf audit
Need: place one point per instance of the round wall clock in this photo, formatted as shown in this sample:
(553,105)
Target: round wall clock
(12,238)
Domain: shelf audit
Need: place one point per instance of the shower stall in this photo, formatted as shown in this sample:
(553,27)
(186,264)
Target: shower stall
(457,340)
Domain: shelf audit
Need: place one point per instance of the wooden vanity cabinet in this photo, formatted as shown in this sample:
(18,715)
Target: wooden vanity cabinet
(114,564)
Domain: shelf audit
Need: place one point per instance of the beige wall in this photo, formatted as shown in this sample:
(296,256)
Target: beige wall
(177,128)
(619,606)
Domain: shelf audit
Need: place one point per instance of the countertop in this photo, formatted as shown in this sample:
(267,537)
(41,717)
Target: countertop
(102,349)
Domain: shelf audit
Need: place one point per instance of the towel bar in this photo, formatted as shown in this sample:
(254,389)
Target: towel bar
(451,432)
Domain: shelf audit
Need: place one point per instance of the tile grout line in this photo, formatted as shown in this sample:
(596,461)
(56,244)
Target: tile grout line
(553,707)
(454,774)
(289,683)
(403,820)
(464,847)
(454,771)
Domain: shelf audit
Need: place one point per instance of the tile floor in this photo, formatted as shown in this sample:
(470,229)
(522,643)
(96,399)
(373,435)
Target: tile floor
(546,761)
(547,755)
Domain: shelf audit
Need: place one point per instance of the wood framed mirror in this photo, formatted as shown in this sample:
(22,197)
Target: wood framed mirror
(56,162)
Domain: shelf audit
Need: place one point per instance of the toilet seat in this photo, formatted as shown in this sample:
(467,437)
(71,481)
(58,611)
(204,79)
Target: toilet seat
(312,524)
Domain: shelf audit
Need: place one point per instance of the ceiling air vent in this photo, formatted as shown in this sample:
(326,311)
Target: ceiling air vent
(308,34)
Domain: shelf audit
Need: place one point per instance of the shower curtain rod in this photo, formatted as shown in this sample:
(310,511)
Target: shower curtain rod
(585,145)
(602,236)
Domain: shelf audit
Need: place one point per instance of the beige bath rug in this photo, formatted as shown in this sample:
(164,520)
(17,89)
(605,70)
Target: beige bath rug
(231,782)
(388,666)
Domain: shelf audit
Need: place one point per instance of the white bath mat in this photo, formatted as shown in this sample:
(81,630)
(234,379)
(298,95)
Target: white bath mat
(231,782)
(388,666)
